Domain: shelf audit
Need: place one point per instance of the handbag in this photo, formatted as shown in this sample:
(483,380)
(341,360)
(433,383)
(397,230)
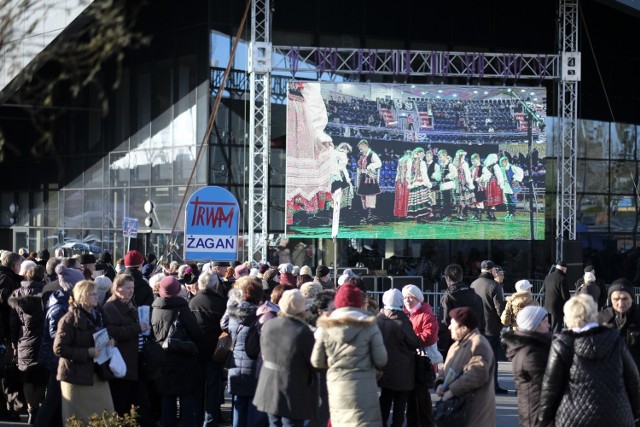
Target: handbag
(178,340)
(434,354)
(153,358)
(451,413)
(223,348)
(103,371)
(425,375)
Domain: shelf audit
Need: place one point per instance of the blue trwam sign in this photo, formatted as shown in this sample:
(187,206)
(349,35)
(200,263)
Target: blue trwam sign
(211,225)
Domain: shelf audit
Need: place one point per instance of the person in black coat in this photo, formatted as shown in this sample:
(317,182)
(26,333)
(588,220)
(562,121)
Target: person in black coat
(401,343)
(591,378)
(624,314)
(528,350)
(458,294)
(208,306)
(179,373)
(27,324)
(556,293)
(287,390)
(493,304)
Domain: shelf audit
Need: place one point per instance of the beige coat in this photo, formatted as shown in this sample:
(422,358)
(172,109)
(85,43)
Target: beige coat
(349,344)
(472,356)
(515,303)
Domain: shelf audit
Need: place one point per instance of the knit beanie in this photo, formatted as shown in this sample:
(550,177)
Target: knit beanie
(310,290)
(392,299)
(413,290)
(241,270)
(295,270)
(465,316)
(169,287)
(292,302)
(287,279)
(589,277)
(529,318)
(285,268)
(270,274)
(322,271)
(346,275)
(348,296)
(133,259)
(68,277)
(621,285)
(305,269)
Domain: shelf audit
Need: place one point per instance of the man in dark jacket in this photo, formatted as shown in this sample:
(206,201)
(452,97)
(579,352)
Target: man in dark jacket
(323,277)
(556,293)
(209,306)
(143,295)
(458,294)
(623,314)
(493,304)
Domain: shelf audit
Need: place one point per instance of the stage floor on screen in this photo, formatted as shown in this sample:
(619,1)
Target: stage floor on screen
(517,228)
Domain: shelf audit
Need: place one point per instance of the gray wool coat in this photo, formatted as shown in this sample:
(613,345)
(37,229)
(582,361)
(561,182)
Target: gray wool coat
(287,384)
(349,344)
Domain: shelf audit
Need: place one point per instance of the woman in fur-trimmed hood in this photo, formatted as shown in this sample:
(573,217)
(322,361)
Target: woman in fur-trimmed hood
(516,302)
(349,344)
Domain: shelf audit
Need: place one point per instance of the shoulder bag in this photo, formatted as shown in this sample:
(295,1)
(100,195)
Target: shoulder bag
(178,340)
(451,413)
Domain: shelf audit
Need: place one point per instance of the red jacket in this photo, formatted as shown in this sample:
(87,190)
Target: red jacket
(425,324)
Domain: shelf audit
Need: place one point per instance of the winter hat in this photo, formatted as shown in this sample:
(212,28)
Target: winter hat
(306,270)
(285,268)
(241,270)
(169,287)
(87,259)
(413,290)
(270,274)
(348,296)
(392,299)
(287,279)
(27,264)
(44,255)
(487,265)
(263,268)
(106,258)
(322,271)
(133,259)
(68,277)
(310,290)
(621,285)
(292,302)
(589,277)
(529,318)
(465,317)
(295,270)
(523,285)
(346,275)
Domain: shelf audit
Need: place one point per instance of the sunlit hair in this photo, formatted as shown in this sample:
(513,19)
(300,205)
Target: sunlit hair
(277,292)
(120,280)
(580,310)
(208,280)
(35,273)
(251,288)
(81,291)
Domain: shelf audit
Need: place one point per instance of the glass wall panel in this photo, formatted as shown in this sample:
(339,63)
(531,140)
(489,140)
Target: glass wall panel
(93,213)
(593,139)
(51,207)
(593,211)
(183,164)
(162,215)
(136,205)
(140,163)
(118,200)
(592,176)
(94,172)
(624,176)
(119,170)
(277,164)
(623,141)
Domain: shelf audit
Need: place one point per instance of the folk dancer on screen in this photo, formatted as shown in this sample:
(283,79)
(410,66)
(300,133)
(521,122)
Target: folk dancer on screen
(435,175)
(401,201)
(369,165)
(419,188)
(480,177)
(341,186)
(448,183)
(463,193)
(494,193)
(509,181)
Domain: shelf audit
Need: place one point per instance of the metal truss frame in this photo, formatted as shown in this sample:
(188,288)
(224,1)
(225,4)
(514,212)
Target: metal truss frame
(265,58)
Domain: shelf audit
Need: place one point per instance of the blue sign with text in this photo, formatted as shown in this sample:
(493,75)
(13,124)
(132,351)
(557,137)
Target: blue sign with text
(211,225)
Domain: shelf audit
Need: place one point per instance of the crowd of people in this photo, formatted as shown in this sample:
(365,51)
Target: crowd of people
(301,352)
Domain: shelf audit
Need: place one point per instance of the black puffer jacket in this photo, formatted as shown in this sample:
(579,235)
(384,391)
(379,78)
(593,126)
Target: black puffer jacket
(590,380)
(528,353)
(27,322)
(401,344)
(461,295)
(179,372)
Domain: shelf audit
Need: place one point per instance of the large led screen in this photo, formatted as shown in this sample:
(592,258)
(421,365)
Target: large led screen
(398,161)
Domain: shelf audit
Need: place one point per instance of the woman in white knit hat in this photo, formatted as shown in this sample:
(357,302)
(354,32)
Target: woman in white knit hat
(516,302)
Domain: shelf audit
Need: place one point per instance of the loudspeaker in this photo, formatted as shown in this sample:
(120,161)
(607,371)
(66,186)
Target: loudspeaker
(573,256)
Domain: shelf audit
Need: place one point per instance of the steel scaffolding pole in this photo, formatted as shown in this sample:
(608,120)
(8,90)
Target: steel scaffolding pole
(567,121)
(259,128)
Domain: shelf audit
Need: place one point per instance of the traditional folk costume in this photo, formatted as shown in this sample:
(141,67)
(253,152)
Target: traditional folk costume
(463,195)
(419,190)
(493,192)
(401,201)
(447,185)
(509,181)
(368,177)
